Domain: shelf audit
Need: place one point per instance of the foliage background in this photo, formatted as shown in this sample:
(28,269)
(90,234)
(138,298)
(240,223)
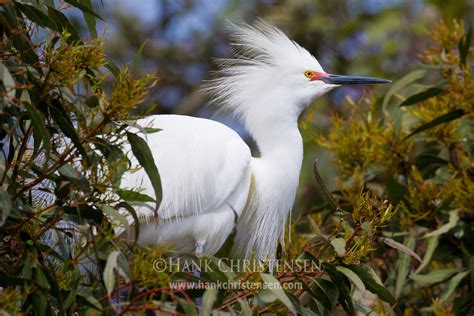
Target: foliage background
(390,195)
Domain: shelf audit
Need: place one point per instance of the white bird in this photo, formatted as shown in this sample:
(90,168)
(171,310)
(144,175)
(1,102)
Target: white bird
(209,179)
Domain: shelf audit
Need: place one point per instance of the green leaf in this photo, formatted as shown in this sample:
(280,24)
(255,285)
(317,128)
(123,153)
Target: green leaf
(396,245)
(396,192)
(41,279)
(123,267)
(110,266)
(266,296)
(400,84)
(89,16)
(84,6)
(37,16)
(114,214)
(134,196)
(244,307)
(39,129)
(151,130)
(92,101)
(464,45)
(430,248)
(339,245)
(5,206)
(208,300)
(144,156)
(372,285)
(69,172)
(452,285)
(74,287)
(39,303)
(90,301)
(451,116)
(112,67)
(321,308)
(63,23)
(138,54)
(136,220)
(471,268)
(214,272)
(329,288)
(275,287)
(8,81)
(453,220)
(338,278)
(189,308)
(354,278)
(62,119)
(404,266)
(422,96)
(19,40)
(433,277)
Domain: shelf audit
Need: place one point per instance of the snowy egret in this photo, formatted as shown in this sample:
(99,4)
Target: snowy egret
(209,179)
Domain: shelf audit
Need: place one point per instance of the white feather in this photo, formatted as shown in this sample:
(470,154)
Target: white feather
(206,169)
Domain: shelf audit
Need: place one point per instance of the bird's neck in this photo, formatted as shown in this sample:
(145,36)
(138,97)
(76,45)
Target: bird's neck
(276,134)
(275,180)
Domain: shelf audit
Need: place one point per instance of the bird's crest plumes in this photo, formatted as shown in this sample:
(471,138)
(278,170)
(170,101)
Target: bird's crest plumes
(263,54)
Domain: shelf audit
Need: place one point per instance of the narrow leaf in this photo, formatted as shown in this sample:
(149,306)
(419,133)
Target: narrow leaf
(354,278)
(39,303)
(144,156)
(90,17)
(208,300)
(37,16)
(433,277)
(8,81)
(134,196)
(244,307)
(138,54)
(422,96)
(63,23)
(396,245)
(109,277)
(112,67)
(464,45)
(453,220)
(338,278)
(452,285)
(275,287)
(151,130)
(114,214)
(372,285)
(451,116)
(69,172)
(339,245)
(403,266)
(5,206)
(400,84)
(432,244)
(329,288)
(84,7)
(39,128)
(62,119)
(136,220)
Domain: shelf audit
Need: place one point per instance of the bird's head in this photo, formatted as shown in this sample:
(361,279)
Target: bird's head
(271,73)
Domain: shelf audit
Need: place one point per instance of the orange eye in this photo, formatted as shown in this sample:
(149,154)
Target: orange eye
(309,74)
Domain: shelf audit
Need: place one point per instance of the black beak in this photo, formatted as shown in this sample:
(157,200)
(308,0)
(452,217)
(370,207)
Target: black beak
(340,80)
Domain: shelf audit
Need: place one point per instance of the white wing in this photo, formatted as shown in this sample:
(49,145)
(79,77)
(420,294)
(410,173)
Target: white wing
(200,162)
